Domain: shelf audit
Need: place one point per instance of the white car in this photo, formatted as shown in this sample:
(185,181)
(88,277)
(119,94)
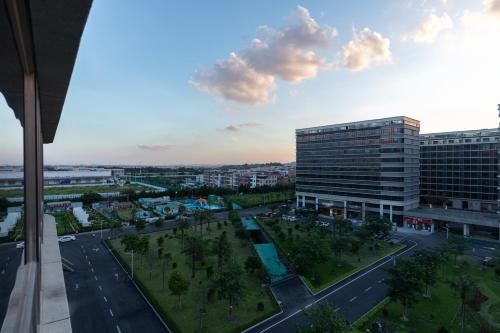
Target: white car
(67,238)
(20,245)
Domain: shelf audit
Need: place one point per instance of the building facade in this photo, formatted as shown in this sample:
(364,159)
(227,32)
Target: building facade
(359,169)
(460,169)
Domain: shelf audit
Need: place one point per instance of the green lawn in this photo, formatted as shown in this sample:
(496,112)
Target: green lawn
(188,318)
(75,190)
(125,214)
(428,315)
(335,268)
(255,199)
(66,223)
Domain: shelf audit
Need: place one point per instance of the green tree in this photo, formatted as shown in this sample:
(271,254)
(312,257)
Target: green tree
(252,264)
(428,262)
(307,252)
(160,241)
(91,197)
(456,247)
(178,285)
(4,204)
(209,218)
(323,319)
(230,285)
(378,224)
(140,224)
(130,242)
(183,225)
(339,244)
(465,288)
(222,249)
(143,246)
(195,248)
(159,222)
(405,283)
(234,217)
(181,210)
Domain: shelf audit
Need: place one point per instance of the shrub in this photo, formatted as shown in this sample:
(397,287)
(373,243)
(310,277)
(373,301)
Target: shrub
(219,225)
(385,312)
(174,265)
(175,231)
(260,306)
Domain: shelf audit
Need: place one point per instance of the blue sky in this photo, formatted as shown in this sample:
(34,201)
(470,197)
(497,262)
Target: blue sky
(145,89)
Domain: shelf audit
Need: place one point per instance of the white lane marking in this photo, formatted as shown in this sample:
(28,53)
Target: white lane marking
(111,313)
(100,288)
(353,299)
(341,287)
(92,270)
(90,263)
(118,329)
(105,299)
(95,277)
(368,289)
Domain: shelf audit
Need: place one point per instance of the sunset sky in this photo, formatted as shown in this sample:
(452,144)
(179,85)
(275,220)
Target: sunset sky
(211,82)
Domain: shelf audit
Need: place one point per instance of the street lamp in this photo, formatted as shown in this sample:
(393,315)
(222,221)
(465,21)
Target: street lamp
(447,230)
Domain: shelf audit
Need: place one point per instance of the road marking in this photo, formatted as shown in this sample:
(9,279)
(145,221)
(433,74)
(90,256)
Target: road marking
(92,270)
(341,287)
(105,299)
(337,309)
(111,313)
(95,277)
(381,280)
(368,289)
(118,329)
(353,299)
(90,263)
(100,288)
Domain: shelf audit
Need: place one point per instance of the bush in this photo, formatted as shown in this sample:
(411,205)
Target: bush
(260,306)
(140,224)
(159,222)
(175,231)
(219,225)
(385,312)
(174,265)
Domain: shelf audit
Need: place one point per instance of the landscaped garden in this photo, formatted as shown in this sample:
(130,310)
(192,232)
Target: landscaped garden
(255,199)
(200,279)
(66,223)
(440,291)
(324,256)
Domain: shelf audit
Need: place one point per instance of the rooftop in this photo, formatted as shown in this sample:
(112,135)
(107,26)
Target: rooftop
(359,124)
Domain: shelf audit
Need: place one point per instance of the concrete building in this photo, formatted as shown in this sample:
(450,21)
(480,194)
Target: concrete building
(358,169)
(259,179)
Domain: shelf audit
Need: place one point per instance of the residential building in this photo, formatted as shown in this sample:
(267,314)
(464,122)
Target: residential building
(357,169)
(259,179)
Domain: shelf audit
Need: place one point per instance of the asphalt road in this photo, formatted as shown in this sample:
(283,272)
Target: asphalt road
(10,259)
(101,296)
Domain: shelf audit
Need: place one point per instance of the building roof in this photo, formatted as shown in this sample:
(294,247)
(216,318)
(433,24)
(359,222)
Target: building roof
(49,33)
(58,174)
(356,124)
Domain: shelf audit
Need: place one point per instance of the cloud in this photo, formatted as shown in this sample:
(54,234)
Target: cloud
(365,49)
(234,80)
(238,128)
(433,25)
(492,7)
(248,77)
(154,147)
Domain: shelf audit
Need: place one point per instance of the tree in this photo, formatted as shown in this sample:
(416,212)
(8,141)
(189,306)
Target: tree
(378,224)
(428,262)
(167,257)
(159,222)
(339,244)
(252,264)
(178,285)
(130,242)
(4,204)
(160,241)
(199,217)
(183,225)
(160,252)
(90,197)
(140,224)
(307,252)
(234,217)
(464,287)
(222,249)
(195,248)
(405,283)
(230,285)
(143,246)
(323,319)
(209,218)
(181,210)
(456,247)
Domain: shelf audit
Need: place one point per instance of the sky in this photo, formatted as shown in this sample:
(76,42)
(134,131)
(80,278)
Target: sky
(216,82)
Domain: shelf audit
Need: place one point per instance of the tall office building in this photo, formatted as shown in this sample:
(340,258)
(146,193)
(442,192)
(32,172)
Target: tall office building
(461,168)
(359,169)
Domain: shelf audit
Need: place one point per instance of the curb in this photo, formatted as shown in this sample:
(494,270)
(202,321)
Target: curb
(139,289)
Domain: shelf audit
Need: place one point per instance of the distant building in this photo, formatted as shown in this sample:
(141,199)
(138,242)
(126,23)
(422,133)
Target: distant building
(259,179)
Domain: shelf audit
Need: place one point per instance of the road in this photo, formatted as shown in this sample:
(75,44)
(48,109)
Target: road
(101,296)
(10,259)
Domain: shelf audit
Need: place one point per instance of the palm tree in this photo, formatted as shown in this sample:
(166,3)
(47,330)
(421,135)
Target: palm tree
(464,287)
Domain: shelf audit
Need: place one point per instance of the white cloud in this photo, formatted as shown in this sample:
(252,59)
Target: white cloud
(430,29)
(238,128)
(365,49)
(287,53)
(233,79)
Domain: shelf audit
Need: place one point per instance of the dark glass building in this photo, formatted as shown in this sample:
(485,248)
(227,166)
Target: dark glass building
(461,168)
(360,168)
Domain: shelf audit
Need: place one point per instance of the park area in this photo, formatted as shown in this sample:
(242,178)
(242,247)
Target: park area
(76,190)
(66,223)
(206,279)
(323,257)
(463,294)
(256,199)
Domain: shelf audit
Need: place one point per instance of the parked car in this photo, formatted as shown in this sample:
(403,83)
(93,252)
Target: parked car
(20,245)
(67,238)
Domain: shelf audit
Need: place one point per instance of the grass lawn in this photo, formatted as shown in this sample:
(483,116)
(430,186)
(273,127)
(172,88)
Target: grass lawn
(125,214)
(75,190)
(255,199)
(187,319)
(66,223)
(335,268)
(428,315)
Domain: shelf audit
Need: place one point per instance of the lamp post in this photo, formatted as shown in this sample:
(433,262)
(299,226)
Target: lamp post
(447,230)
